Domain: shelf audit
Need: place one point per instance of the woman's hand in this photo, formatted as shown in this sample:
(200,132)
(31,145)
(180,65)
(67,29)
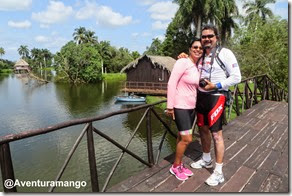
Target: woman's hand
(170,112)
(182,55)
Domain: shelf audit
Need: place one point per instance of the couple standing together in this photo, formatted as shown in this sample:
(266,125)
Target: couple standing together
(200,82)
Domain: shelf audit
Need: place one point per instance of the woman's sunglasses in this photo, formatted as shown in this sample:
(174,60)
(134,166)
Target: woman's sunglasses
(196,47)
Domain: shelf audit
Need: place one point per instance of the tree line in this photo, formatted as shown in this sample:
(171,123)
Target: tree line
(259,40)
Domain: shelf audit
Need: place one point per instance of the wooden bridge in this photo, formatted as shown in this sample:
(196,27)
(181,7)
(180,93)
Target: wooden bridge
(256,158)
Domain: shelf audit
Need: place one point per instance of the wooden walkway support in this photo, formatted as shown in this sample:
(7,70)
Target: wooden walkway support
(256,158)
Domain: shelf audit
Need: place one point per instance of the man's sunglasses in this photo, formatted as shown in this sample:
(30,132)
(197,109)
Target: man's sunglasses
(208,36)
(196,47)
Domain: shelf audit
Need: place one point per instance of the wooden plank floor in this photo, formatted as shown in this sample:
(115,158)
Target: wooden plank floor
(256,158)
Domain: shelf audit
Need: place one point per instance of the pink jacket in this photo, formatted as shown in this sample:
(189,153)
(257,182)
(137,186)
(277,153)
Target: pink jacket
(182,85)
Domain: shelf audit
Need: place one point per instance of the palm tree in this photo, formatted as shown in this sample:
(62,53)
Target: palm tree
(257,8)
(23,51)
(192,12)
(80,35)
(46,55)
(226,20)
(104,51)
(2,51)
(90,37)
(36,56)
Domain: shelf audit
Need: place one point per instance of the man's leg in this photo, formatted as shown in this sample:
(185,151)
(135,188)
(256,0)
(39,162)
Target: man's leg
(206,160)
(219,146)
(205,137)
(217,176)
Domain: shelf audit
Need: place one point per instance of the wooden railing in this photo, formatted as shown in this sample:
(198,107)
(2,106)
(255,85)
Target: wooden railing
(252,90)
(5,153)
(146,85)
(245,95)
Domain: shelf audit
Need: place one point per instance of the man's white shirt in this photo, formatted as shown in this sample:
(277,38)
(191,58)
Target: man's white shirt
(217,74)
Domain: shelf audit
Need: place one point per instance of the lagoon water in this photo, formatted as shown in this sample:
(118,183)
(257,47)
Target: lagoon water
(26,105)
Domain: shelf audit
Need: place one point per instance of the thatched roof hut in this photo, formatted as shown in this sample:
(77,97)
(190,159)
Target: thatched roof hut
(148,74)
(21,66)
(162,62)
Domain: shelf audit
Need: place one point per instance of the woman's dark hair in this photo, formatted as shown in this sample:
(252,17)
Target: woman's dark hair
(194,40)
(211,27)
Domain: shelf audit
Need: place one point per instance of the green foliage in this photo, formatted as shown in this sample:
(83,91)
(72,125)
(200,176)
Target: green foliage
(121,58)
(114,77)
(6,65)
(78,63)
(135,55)
(153,99)
(155,48)
(263,50)
(177,39)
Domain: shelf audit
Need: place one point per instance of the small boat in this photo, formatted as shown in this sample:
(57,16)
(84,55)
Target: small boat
(130,98)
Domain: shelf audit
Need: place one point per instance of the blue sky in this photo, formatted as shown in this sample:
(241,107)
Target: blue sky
(125,23)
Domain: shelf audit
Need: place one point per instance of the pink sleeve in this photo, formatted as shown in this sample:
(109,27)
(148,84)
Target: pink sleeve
(176,73)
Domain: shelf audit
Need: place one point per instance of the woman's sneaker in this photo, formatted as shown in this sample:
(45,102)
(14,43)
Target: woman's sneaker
(201,163)
(186,171)
(215,179)
(178,172)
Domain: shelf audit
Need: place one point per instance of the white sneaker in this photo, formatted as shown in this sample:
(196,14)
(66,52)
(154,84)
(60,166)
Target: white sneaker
(201,163)
(215,179)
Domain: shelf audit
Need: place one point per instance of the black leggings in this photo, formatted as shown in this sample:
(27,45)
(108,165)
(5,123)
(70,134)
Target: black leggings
(184,118)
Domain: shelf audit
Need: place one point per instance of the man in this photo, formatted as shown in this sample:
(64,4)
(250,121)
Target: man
(215,81)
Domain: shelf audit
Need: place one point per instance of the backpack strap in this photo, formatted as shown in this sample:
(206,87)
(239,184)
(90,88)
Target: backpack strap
(219,61)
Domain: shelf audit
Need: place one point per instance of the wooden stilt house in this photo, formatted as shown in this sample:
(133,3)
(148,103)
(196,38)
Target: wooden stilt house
(148,75)
(21,66)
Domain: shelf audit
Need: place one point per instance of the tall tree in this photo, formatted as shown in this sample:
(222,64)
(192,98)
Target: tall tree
(23,51)
(257,8)
(2,51)
(155,48)
(105,52)
(90,37)
(192,12)
(226,18)
(79,35)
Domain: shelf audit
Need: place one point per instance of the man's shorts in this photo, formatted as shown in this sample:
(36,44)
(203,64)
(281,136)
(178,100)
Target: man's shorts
(184,119)
(210,110)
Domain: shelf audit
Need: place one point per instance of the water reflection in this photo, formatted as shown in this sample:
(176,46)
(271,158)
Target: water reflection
(31,106)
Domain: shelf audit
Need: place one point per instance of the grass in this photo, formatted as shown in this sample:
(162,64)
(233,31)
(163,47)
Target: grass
(153,99)
(114,77)
(6,71)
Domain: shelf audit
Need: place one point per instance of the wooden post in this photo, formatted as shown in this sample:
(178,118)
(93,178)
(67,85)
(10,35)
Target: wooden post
(246,91)
(91,160)
(6,167)
(149,138)
(255,91)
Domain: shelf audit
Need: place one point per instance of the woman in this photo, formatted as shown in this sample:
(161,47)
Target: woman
(181,103)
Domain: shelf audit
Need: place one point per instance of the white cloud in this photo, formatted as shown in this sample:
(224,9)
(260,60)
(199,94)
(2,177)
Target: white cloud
(163,10)
(103,15)
(41,39)
(160,37)
(53,42)
(146,2)
(135,34)
(21,24)
(56,12)
(145,34)
(11,5)
(158,25)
